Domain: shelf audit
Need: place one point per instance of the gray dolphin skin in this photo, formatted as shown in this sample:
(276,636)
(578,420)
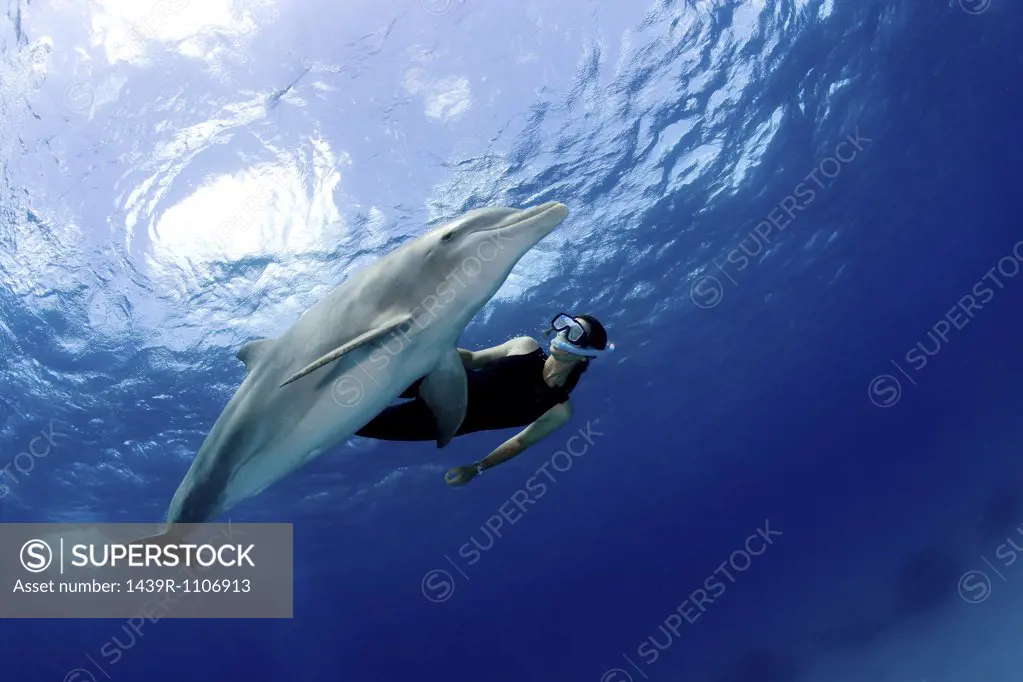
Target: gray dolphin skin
(353,353)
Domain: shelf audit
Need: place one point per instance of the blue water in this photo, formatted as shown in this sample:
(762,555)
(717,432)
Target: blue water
(180,178)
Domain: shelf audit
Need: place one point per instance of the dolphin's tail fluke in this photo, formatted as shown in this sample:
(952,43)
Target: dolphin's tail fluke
(159,539)
(171,534)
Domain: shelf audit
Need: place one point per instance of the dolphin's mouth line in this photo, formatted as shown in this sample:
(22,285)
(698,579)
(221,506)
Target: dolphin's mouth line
(528,214)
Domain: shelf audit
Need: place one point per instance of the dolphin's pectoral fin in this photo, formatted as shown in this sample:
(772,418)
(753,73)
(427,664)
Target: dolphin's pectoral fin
(413,390)
(446,392)
(362,339)
(251,352)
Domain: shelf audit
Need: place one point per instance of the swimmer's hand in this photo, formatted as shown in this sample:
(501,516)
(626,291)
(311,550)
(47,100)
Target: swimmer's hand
(460,475)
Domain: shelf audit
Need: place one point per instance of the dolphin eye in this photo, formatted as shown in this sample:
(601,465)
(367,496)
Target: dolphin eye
(448,237)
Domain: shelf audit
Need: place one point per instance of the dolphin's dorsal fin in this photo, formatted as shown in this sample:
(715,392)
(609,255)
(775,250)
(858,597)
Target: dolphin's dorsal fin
(369,337)
(446,392)
(251,352)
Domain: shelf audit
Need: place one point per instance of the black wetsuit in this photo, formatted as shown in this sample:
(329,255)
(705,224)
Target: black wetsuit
(506,393)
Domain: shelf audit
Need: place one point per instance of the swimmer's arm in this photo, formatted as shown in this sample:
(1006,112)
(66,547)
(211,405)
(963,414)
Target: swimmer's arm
(481,358)
(551,420)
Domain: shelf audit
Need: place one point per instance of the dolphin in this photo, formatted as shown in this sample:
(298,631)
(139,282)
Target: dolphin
(352,354)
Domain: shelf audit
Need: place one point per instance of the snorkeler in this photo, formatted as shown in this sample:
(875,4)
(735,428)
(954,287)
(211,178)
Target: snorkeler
(514,384)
